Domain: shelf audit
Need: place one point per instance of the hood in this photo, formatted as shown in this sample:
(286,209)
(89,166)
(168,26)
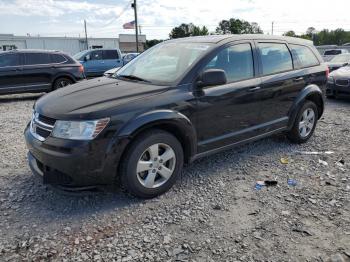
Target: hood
(92,99)
(112,71)
(343,72)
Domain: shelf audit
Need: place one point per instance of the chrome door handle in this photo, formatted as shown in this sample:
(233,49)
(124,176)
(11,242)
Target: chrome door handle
(298,79)
(254,89)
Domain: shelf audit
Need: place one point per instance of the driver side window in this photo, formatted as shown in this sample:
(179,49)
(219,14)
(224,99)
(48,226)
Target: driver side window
(236,61)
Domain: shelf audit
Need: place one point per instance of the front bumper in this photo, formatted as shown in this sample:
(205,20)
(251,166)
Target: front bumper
(74,164)
(335,90)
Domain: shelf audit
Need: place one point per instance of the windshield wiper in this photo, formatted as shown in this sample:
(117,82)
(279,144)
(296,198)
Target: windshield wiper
(132,77)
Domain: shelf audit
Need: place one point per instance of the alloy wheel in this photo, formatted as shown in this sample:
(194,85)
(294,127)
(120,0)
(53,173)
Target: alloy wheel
(156,165)
(307,122)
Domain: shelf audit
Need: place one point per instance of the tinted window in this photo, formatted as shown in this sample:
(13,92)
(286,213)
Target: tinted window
(57,58)
(37,59)
(305,56)
(96,55)
(332,52)
(236,61)
(9,60)
(275,58)
(110,54)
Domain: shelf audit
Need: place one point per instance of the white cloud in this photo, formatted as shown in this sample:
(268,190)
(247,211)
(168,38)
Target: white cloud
(157,17)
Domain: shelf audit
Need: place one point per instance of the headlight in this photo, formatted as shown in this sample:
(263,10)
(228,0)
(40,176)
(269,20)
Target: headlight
(330,80)
(79,130)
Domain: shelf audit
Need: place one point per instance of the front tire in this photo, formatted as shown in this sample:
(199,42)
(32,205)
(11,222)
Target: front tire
(305,123)
(152,164)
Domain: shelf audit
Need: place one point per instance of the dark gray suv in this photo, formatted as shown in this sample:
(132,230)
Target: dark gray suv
(34,71)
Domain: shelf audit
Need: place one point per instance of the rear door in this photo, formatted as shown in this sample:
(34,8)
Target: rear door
(111,59)
(11,80)
(37,71)
(280,83)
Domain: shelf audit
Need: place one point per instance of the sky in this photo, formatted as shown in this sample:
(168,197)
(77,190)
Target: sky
(157,17)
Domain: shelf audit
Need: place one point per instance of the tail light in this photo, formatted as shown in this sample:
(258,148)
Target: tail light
(327,72)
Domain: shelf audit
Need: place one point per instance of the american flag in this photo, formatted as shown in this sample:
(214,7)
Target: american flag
(130,25)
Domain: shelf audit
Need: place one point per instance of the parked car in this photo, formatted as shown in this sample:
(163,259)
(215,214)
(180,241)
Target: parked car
(339,83)
(128,57)
(330,53)
(338,62)
(98,61)
(111,72)
(37,71)
(142,125)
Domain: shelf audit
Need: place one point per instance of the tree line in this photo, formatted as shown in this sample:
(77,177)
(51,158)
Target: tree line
(239,26)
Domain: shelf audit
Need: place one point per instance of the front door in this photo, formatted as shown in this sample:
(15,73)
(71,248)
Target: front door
(11,80)
(229,113)
(94,64)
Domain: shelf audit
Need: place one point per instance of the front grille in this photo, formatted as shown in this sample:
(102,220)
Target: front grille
(46,120)
(41,126)
(42,132)
(342,82)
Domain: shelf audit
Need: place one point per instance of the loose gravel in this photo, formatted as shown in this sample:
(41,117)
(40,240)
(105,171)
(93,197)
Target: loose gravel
(213,213)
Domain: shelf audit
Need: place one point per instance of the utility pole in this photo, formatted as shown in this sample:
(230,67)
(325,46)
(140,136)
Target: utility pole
(133,5)
(86,40)
(272,28)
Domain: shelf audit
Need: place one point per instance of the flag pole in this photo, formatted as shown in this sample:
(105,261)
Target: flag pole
(136,27)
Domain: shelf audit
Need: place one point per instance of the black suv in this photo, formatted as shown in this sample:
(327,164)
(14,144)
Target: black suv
(37,71)
(178,101)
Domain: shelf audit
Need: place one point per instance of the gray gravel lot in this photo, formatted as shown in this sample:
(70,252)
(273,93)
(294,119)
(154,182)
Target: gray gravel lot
(212,214)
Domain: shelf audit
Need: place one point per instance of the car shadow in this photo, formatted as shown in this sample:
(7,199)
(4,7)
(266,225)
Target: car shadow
(19,98)
(36,203)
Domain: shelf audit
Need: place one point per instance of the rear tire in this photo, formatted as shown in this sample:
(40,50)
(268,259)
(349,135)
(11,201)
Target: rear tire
(305,123)
(61,82)
(151,164)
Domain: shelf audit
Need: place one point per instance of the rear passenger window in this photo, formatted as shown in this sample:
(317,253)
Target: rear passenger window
(236,61)
(275,58)
(37,59)
(57,59)
(9,60)
(110,54)
(304,55)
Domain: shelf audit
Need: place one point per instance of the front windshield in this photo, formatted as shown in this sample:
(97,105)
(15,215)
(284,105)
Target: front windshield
(164,63)
(341,58)
(80,55)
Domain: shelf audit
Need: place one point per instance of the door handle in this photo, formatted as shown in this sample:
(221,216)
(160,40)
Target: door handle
(252,89)
(298,79)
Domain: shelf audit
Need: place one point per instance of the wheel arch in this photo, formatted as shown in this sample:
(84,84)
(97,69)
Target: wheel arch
(171,121)
(62,75)
(312,93)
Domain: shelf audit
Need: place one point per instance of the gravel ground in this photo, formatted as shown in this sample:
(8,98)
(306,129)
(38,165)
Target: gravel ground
(213,213)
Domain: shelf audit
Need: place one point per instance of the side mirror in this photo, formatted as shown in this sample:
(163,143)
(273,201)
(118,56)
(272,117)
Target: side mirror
(212,77)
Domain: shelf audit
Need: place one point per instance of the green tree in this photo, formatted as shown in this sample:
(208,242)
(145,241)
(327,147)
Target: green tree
(150,43)
(290,33)
(238,26)
(185,30)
